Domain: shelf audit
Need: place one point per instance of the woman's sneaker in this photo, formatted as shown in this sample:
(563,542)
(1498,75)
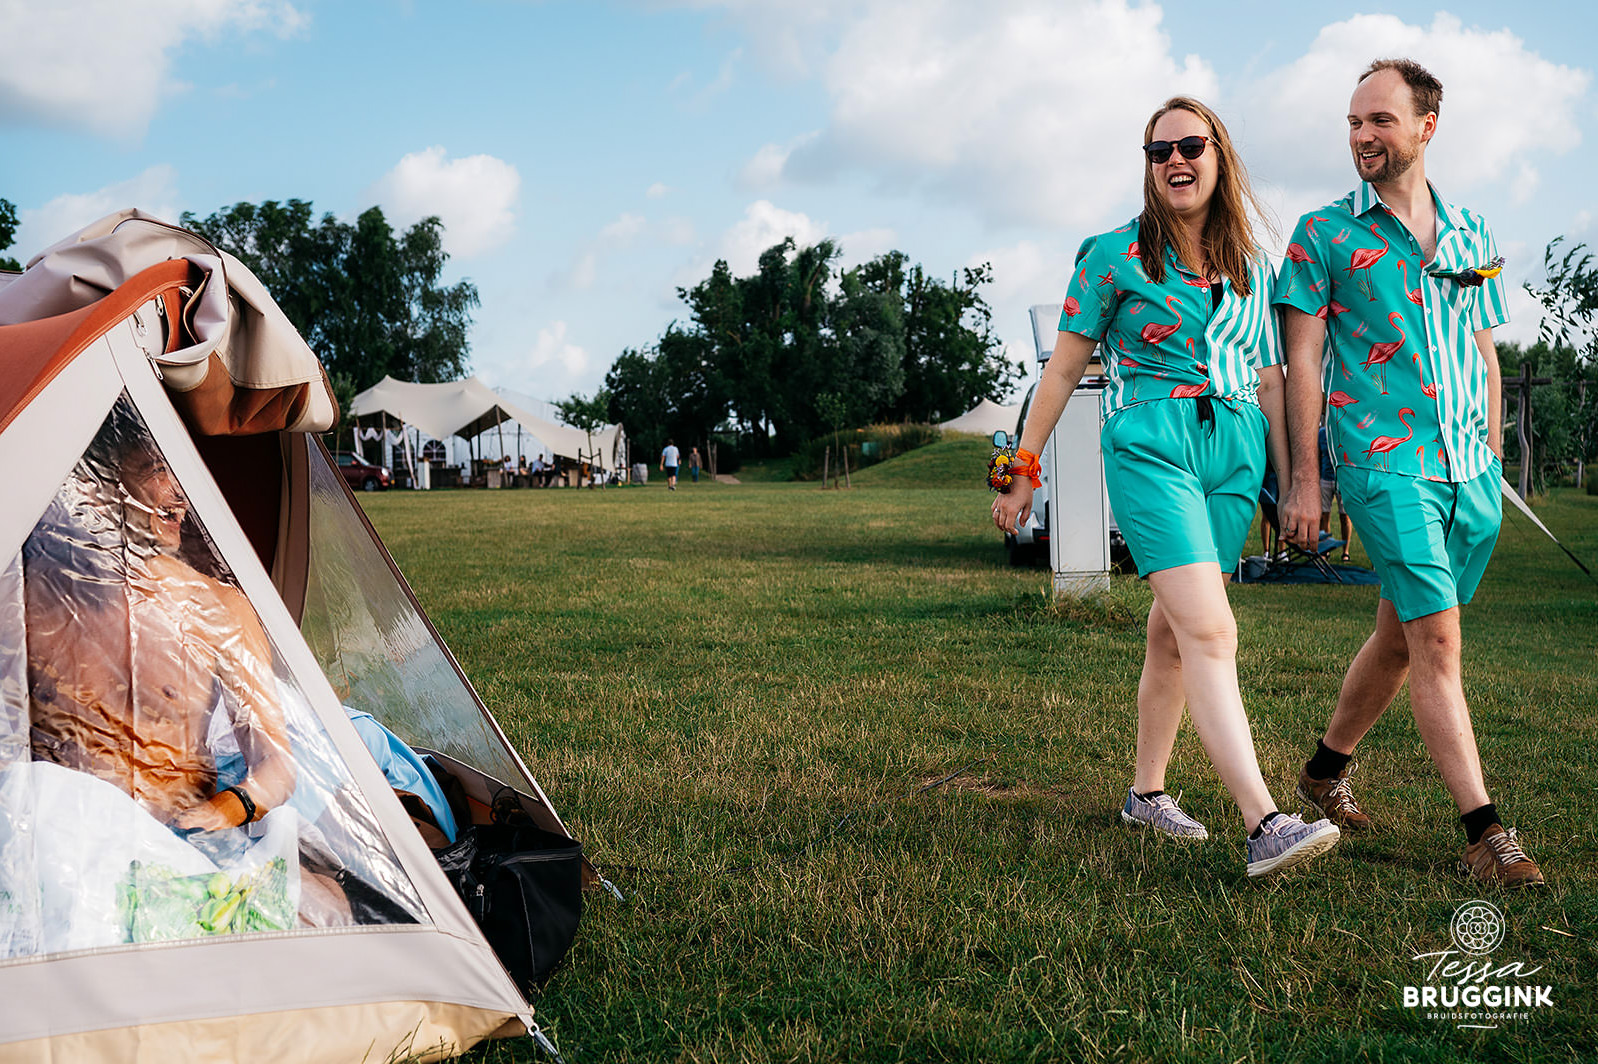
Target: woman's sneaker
(1285,840)
(1162,814)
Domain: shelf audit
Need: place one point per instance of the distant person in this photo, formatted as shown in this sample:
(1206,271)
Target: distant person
(693,463)
(1416,429)
(668,464)
(1329,495)
(1179,298)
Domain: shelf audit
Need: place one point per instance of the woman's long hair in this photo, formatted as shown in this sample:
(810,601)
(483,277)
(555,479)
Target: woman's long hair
(1228,239)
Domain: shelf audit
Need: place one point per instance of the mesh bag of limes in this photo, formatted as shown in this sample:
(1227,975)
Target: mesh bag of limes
(159,904)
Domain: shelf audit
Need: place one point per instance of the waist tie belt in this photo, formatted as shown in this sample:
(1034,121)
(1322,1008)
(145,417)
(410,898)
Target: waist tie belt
(1206,412)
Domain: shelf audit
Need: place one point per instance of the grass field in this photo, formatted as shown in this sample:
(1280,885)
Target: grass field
(859,782)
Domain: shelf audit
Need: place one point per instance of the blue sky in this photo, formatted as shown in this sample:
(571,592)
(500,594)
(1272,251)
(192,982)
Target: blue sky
(589,157)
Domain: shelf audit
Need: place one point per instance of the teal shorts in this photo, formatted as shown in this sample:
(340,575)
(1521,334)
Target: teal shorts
(1184,490)
(1428,540)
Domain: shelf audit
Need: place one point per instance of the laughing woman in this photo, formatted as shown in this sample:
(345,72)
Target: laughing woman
(1179,298)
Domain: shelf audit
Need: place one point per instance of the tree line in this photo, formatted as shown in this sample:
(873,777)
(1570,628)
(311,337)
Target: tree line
(1564,421)
(792,351)
(367,298)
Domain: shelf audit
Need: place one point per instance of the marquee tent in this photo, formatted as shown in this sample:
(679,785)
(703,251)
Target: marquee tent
(469,408)
(985,418)
(199,858)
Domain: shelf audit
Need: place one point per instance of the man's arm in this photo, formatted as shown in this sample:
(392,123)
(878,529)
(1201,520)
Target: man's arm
(243,662)
(1495,392)
(1304,336)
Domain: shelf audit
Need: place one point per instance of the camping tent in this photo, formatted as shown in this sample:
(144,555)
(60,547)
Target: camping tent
(985,418)
(199,858)
(469,408)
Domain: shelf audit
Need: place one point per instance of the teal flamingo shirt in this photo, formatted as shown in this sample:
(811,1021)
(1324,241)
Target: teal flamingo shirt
(1168,340)
(1406,386)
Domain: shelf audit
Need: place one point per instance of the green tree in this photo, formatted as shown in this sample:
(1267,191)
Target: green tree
(8,234)
(590,414)
(1564,413)
(368,300)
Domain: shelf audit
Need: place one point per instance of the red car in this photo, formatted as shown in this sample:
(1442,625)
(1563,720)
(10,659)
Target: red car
(359,474)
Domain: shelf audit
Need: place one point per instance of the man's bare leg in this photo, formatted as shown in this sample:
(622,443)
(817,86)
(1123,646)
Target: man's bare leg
(1372,682)
(1437,696)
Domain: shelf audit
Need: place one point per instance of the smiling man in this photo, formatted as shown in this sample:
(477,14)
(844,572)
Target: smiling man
(1388,299)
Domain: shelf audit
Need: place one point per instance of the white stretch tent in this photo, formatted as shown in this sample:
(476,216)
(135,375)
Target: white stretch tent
(985,418)
(469,408)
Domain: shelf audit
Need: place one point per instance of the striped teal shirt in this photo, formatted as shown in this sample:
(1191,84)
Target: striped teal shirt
(1168,340)
(1405,383)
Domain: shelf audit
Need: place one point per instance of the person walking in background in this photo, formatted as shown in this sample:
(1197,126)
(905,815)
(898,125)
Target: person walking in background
(1416,433)
(1329,495)
(668,464)
(693,463)
(1179,298)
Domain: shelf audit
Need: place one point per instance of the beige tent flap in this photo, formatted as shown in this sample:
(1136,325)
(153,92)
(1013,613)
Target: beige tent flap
(231,360)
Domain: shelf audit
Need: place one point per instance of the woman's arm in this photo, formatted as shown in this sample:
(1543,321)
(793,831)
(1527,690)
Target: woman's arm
(1061,374)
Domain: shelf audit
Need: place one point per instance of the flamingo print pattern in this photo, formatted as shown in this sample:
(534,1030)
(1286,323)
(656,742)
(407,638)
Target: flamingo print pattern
(1168,338)
(1400,335)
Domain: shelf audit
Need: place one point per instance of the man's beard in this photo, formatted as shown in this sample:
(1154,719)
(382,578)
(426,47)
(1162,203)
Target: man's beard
(1394,165)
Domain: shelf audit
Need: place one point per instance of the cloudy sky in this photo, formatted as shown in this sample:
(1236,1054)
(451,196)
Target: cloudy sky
(588,157)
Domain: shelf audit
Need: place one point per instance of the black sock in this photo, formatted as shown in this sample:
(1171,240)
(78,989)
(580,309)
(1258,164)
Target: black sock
(1266,819)
(1146,797)
(1477,821)
(1326,763)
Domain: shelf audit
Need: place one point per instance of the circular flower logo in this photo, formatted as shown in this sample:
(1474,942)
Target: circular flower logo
(1478,927)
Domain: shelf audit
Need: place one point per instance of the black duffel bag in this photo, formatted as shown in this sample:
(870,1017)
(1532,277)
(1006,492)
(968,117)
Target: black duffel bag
(524,887)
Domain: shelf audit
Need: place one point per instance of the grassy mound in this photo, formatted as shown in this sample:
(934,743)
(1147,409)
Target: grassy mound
(961,462)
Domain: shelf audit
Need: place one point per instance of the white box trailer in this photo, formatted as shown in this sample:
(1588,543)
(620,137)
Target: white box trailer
(1072,510)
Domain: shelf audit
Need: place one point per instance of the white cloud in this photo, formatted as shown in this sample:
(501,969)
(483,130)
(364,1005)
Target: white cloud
(976,103)
(552,350)
(105,65)
(765,167)
(863,245)
(656,191)
(763,225)
(1504,106)
(153,191)
(1525,317)
(623,229)
(476,197)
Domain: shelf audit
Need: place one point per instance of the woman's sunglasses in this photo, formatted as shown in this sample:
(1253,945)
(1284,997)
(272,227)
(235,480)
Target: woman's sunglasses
(1159,151)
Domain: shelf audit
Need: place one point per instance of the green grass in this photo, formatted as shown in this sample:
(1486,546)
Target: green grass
(737,696)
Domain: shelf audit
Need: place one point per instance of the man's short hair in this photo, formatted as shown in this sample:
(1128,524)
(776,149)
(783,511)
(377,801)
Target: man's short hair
(1424,87)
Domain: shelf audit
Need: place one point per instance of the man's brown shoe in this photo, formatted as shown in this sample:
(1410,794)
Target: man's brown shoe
(1497,858)
(1333,799)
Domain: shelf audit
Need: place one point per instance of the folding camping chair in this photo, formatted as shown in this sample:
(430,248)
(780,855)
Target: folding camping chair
(1276,569)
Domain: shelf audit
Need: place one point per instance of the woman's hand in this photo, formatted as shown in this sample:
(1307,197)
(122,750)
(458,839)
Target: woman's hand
(1014,506)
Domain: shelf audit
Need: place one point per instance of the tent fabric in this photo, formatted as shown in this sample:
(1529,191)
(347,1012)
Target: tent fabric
(343,936)
(986,418)
(469,408)
(236,351)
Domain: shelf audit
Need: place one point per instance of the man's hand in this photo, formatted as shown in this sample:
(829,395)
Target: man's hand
(220,811)
(1014,506)
(1300,513)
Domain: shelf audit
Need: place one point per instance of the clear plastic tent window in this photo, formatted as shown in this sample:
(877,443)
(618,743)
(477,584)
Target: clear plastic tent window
(376,648)
(137,685)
